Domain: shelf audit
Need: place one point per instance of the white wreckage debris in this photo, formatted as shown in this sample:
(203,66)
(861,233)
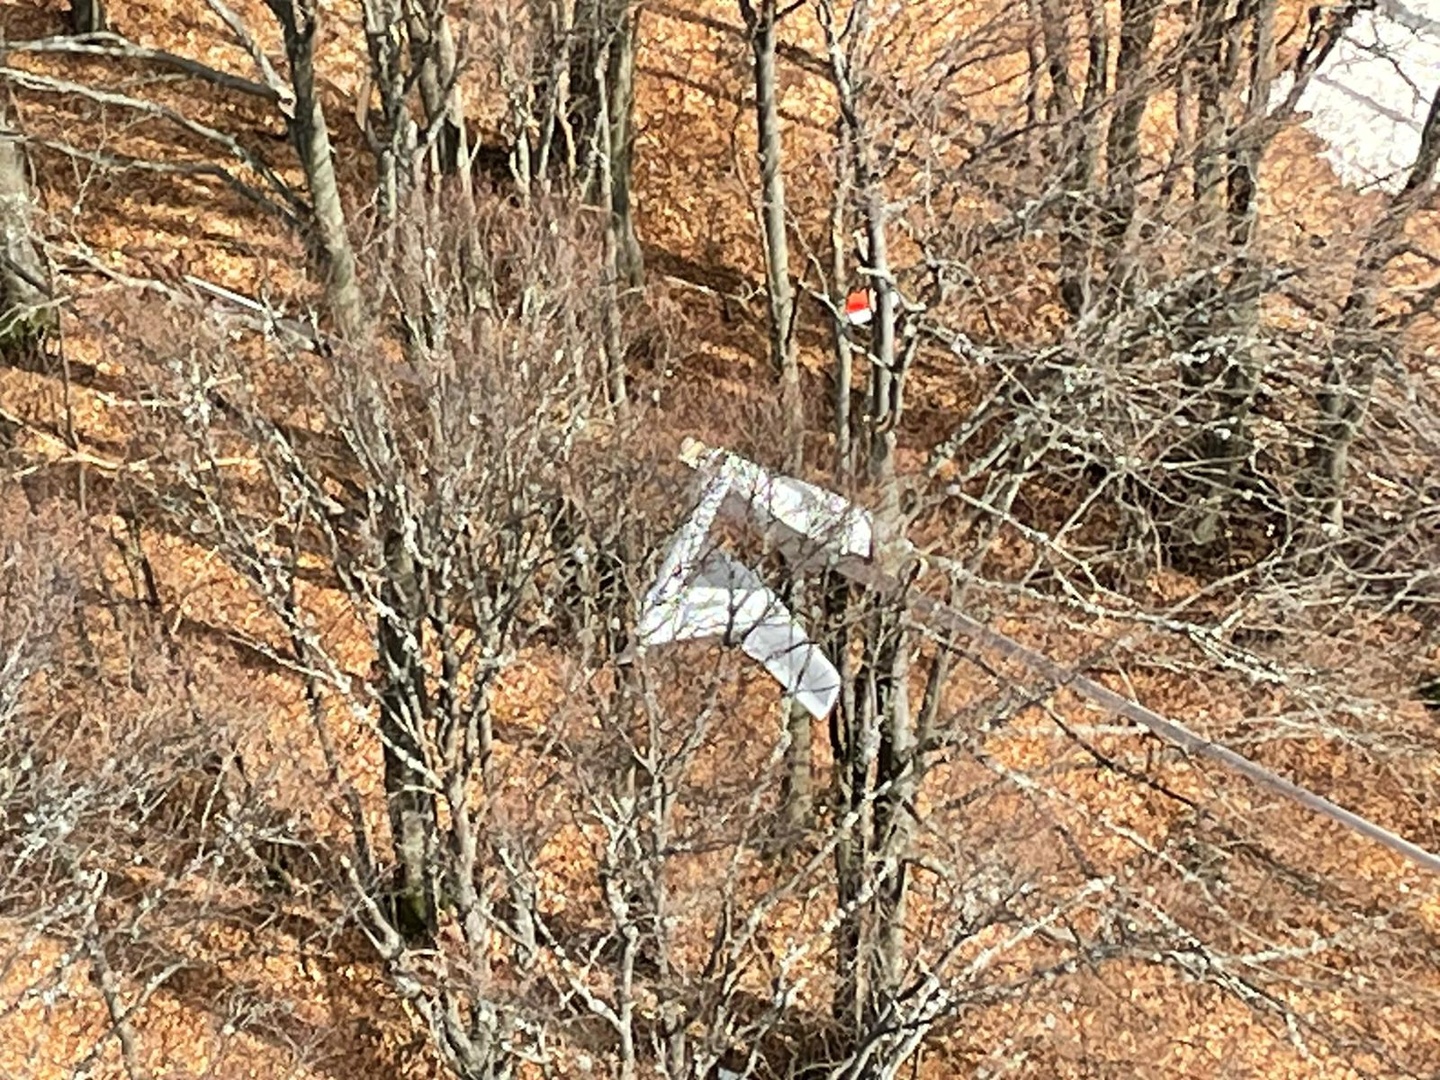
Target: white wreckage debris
(700,594)
(828,521)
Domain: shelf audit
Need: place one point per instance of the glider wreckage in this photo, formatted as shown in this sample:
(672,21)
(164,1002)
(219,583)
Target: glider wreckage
(703,593)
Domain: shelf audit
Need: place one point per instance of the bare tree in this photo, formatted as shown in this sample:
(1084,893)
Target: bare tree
(310,132)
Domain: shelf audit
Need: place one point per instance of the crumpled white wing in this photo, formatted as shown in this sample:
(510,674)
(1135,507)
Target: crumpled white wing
(728,600)
(794,661)
(823,516)
(722,599)
(688,545)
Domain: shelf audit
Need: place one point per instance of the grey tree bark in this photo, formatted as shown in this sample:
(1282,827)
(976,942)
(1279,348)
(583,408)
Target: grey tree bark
(1122,142)
(874,723)
(404,711)
(24,318)
(311,136)
(620,107)
(1225,445)
(1077,118)
(614,244)
(1350,372)
(87,16)
(839,276)
(780,290)
(433,57)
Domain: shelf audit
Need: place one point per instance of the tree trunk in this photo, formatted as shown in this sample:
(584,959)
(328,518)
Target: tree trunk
(1079,149)
(87,16)
(394,144)
(895,783)
(311,136)
(839,276)
(403,713)
(1225,446)
(779,289)
(432,52)
(1206,61)
(614,344)
(595,109)
(620,104)
(1350,372)
(798,794)
(885,375)
(1122,144)
(24,318)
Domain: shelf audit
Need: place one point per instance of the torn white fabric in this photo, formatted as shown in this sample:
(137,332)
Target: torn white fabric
(726,600)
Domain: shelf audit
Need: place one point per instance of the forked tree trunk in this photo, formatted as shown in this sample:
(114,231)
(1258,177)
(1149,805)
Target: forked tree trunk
(1225,446)
(594,108)
(393,144)
(432,52)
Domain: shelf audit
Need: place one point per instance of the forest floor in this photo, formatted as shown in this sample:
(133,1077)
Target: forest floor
(279,1001)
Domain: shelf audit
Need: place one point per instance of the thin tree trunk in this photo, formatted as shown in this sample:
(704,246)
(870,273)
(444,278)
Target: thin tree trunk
(1350,372)
(1226,444)
(614,345)
(403,712)
(311,136)
(1122,144)
(839,276)
(392,146)
(432,53)
(24,319)
(779,289)
(592,102)
(620,105)
(885,399)
(895,780)
(1078,122)
(873,725)
(798,797)
(1207,65)
(87,16)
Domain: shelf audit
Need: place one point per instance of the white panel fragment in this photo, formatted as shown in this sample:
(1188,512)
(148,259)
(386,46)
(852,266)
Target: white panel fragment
(829,519)
(688,544)
(709,595)
(726,600)
(1369,99)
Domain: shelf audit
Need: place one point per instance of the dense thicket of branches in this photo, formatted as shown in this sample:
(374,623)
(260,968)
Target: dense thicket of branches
(318,627)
